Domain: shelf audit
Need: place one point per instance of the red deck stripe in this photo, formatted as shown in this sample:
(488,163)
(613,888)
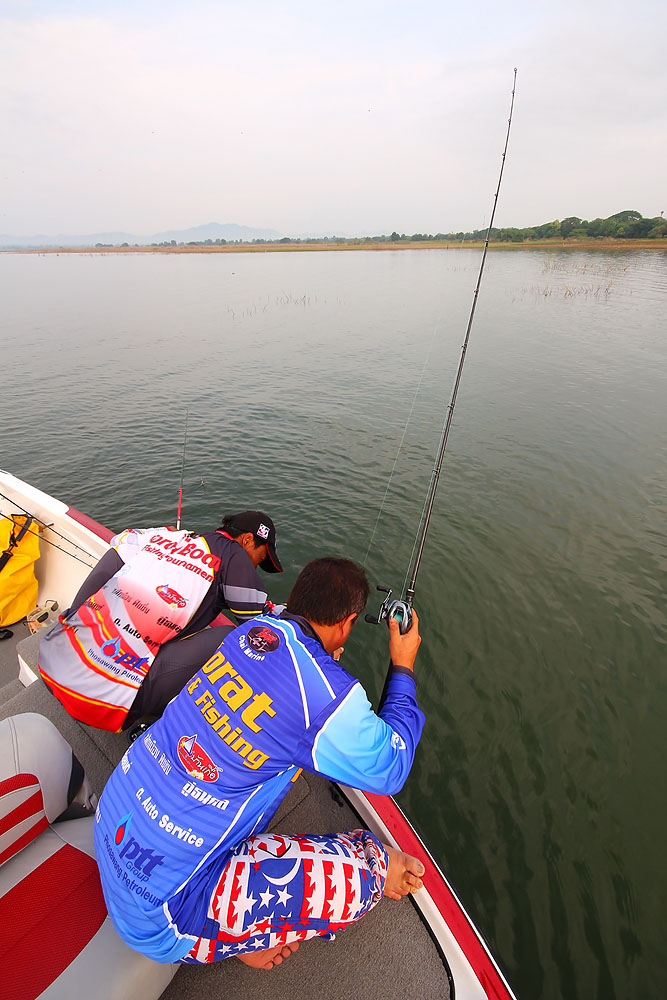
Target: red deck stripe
(18,781)
(443,897)
(47,919)
(29,807)
(23,841)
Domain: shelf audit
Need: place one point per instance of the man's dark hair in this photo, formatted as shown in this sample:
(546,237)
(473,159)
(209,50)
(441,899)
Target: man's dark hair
(328,590)
(233,531)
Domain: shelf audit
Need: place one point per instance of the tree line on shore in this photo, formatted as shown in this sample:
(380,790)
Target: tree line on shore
(623,225)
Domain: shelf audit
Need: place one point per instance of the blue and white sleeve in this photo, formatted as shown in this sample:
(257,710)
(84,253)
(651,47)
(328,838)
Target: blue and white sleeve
(355,746)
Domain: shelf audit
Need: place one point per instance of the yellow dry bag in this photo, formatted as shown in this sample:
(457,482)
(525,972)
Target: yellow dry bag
(19,550)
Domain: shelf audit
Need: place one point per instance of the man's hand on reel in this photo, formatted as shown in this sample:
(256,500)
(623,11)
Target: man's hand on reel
(403,647)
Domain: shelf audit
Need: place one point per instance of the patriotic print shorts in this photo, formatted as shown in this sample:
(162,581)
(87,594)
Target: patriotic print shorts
(275,890)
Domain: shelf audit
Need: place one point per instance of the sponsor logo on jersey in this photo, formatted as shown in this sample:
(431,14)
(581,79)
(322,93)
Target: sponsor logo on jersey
(166,823)
(398,742)
(170,596)
(121,829)
(169,548)
(263,639)
(114,651)
(195,760)
(140,861)
(193,791)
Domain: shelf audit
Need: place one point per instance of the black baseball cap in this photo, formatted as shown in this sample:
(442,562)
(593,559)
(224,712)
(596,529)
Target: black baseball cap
(264,530)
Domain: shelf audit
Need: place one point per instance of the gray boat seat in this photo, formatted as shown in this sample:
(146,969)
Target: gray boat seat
(57,940)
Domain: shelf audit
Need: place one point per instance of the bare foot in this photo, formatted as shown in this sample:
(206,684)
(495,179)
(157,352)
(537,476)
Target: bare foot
(403,874)
(269,958)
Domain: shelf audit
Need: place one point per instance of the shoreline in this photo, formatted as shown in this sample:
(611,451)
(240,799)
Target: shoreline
(351,245)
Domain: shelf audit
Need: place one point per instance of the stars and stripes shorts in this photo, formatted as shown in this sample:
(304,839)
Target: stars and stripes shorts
(275,890)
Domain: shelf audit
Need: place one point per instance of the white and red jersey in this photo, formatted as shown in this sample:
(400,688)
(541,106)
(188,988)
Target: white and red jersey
(172,583)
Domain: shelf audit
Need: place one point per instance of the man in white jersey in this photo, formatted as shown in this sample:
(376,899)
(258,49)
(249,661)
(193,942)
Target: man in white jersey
(137,630)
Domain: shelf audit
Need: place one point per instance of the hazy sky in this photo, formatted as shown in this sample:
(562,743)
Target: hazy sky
(352,117)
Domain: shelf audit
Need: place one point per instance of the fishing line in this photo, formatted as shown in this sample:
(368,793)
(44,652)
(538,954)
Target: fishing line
(180,492)
(405,430)
(402,610)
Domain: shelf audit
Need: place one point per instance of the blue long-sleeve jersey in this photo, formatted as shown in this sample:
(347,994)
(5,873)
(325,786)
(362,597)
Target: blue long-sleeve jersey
(212,771)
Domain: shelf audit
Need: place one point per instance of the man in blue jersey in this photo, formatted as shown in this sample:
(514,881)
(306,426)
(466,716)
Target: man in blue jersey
(186,871)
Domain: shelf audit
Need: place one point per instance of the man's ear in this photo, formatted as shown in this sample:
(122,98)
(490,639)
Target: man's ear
(346,627)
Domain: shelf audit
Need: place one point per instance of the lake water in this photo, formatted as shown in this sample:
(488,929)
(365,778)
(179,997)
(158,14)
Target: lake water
(539,783)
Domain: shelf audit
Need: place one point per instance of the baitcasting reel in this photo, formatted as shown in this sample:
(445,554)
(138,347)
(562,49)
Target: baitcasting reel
(400,610)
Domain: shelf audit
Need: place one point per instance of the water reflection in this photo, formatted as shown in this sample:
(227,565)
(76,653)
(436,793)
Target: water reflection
(541,590)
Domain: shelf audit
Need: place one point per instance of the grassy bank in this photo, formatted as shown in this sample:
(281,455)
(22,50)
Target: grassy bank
(551,244)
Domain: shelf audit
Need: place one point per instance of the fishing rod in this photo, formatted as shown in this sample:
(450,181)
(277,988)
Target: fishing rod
(180,492)
(401,610)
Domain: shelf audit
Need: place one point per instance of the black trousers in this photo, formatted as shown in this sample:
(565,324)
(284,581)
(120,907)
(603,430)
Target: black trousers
(177,662)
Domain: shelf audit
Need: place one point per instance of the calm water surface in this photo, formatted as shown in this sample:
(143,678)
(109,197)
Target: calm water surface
(539,783)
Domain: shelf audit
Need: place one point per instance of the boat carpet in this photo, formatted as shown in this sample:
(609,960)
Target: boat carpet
(387,955)
(9,668)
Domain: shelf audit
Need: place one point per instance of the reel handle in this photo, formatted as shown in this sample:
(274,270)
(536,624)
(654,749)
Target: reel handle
(400,610)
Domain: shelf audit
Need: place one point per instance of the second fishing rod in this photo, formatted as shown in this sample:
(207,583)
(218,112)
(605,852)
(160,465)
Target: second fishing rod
(180,492)
(401,609)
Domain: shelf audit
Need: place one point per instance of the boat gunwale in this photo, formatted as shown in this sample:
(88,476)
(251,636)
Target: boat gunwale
(438,901)
(441,894)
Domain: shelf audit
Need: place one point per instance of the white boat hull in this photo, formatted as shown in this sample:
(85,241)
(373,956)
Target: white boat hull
(70,544)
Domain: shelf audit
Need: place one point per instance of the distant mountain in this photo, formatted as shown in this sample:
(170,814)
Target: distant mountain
(216,231)
(211,231)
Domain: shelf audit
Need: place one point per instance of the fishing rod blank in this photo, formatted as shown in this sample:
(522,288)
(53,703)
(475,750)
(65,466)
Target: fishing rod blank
(402,610)
(180,492)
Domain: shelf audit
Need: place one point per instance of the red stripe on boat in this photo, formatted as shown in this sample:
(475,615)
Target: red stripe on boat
(22,842)
(47,920)
(30,807)
(92,525)
(443,897)
(18,781)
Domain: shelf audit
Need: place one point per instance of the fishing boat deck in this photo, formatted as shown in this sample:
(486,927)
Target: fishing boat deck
(388,954)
